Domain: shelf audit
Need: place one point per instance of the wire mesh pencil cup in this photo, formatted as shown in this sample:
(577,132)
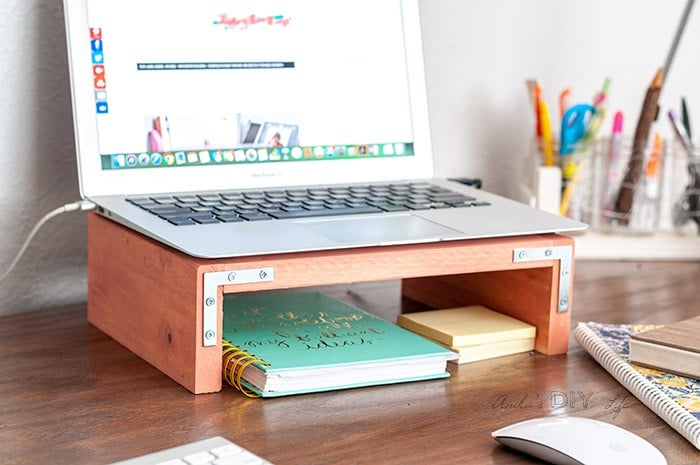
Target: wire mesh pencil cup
(617,191)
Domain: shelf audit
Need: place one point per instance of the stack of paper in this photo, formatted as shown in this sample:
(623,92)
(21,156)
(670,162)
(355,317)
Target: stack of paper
(473,332)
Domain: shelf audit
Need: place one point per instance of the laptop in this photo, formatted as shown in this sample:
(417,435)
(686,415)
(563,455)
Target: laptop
(220,109)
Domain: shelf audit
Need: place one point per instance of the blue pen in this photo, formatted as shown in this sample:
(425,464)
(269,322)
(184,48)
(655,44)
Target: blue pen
(573,126)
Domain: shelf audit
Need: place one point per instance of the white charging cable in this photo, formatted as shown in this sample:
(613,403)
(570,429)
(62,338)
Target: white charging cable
(82,205)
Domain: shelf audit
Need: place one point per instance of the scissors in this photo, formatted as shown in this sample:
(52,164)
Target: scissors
(573,126)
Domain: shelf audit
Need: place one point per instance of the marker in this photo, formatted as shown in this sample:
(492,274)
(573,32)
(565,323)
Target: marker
(652,168)
(614,160)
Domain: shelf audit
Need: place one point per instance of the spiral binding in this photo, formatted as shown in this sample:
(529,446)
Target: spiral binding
(235,361)
(672,413)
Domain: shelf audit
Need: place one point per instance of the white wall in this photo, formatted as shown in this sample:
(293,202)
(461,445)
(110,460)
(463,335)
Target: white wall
(478,56)
(37,171)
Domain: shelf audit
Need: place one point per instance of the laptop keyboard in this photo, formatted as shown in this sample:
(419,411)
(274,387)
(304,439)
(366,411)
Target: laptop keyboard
(213,451)
(262,205)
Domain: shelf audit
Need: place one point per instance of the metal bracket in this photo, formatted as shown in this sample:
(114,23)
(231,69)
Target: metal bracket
(564,254)
(210,305)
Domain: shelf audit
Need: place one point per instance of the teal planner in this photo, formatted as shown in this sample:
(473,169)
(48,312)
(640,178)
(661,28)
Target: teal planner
(284,343)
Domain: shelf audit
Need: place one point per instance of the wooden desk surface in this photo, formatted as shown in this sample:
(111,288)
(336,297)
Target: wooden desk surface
(71,395)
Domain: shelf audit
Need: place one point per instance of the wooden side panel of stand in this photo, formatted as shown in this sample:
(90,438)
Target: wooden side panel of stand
(148,296)
(145,297)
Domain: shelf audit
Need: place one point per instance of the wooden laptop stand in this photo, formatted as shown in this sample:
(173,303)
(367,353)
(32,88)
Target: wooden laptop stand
(166,306)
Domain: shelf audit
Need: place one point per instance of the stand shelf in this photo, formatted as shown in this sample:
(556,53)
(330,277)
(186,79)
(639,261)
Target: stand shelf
(166,306)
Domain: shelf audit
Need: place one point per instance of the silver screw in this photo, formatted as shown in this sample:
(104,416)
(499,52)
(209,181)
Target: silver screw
(210,301)
(232,276)
(262,274)
(548,253)
(564,303)
(209,334)
(522,254)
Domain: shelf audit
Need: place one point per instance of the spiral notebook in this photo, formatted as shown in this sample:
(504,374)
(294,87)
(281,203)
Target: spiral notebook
(674,398)
(284,343)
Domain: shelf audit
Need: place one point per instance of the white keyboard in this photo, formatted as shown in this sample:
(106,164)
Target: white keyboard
(211,451)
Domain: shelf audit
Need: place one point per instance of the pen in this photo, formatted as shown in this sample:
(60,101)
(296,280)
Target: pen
(564,102)
(546,127)
(648,113)
(594,126)
(599,99)
(599,114)
(568,193)
(685,118)
(680,132)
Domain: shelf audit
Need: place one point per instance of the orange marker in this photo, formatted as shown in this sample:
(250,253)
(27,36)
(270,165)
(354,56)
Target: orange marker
(652,168)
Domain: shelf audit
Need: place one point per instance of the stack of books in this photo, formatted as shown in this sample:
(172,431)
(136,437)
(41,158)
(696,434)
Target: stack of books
(473,332)
(674,398)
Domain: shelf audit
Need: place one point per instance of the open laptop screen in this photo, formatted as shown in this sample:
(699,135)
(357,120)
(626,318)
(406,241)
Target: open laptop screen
(184,84)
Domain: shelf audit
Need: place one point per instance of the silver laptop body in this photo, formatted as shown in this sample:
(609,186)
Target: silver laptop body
(173,98)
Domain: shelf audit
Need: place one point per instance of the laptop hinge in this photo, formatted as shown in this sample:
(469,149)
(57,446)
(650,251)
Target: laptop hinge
(564,254)
(210,303)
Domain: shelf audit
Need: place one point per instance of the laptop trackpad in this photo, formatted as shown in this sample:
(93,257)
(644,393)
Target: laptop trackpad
(379,230)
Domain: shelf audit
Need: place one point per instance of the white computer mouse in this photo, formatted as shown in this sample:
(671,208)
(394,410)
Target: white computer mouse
(568,440)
